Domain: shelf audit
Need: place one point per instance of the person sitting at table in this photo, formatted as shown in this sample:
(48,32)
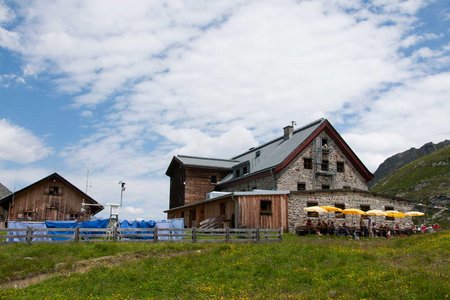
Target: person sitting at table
(345,230)
(388,233)
(374,229)
(396,229)
(309,226)
(436,227)
(423,228)
(331,228)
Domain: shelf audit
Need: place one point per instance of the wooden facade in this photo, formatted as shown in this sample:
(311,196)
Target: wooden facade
(51,198)
(189,184)
(254,211)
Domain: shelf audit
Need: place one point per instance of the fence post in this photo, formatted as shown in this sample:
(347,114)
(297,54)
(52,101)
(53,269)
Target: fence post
(194,234)
(155,234)
(77,234)
(115,234)
(280,234)
(257,235)
(29,235)
(227,234)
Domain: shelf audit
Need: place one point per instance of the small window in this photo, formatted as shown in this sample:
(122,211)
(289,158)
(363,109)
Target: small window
(257,153)
(389,208)
(340,167)
(266,207)
(238,173)
(254,188)
(325,186)
(324,165)
(245,170)
(213,179)
(222,209)
(27,215)
(53,190)
(74,216)
(182,214)
(337,214)
(301,186)
(307,163)
(364,208)
(310,213)
(324,142)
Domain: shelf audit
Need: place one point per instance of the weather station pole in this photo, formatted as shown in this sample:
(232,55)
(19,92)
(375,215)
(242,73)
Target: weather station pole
(122,189)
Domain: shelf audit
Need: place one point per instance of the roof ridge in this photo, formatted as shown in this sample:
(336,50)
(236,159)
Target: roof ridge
(209,158)
(281,137)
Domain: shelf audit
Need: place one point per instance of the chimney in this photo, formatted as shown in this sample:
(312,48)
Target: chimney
(288,131)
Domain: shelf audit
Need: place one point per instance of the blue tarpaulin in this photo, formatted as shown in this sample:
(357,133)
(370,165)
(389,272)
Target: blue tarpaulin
(138,224)
(25,225)
(165,227)
(95,224)
(73,224)
(61,224)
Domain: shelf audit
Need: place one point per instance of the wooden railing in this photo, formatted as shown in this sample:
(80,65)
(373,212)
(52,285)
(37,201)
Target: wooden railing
(39,235)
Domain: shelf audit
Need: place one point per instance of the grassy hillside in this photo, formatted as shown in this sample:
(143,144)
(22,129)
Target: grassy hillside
(298,268)
(421,179)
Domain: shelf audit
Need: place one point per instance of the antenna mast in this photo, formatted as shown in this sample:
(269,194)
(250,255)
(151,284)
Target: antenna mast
(87,178)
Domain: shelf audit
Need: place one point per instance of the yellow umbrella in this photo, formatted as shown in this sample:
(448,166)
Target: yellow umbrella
(316,209)
(375,212)
(352,211)
(394,214)
(331,208)
(414,214)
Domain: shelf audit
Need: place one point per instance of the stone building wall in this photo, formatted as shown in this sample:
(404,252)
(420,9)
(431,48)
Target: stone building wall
(313,178)
(352,199)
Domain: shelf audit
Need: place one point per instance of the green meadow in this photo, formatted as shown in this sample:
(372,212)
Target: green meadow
(312,267)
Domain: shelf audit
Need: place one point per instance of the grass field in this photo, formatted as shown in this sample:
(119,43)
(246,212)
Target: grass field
(311,267)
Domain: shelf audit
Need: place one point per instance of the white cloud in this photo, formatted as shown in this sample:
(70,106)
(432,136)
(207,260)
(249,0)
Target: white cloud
(133,210)
(214,79)
(87,114)
(19,177)
(6,14)
(409,115)
(19,145)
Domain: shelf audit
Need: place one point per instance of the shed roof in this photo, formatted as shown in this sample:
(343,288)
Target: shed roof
(4,191)
(201,162)
(207,162)
(243,193)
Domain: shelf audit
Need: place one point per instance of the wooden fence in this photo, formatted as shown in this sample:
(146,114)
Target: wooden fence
(42,235)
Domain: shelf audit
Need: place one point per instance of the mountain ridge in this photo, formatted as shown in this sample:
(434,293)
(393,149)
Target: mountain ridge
(398,160)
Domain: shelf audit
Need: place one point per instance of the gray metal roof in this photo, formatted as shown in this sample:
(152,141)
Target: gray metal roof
(207,162)
(244,193)
(274,152)
(4,191)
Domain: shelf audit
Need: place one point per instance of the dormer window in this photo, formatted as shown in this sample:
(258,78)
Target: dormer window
(241,169)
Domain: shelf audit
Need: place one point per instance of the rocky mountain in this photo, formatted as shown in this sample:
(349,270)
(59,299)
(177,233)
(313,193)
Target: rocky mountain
(398,160)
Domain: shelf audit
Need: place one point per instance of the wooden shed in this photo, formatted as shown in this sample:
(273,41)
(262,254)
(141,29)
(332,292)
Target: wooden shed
(51,198)
(254,209)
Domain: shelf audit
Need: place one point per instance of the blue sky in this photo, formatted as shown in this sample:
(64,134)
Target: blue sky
(120,87)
